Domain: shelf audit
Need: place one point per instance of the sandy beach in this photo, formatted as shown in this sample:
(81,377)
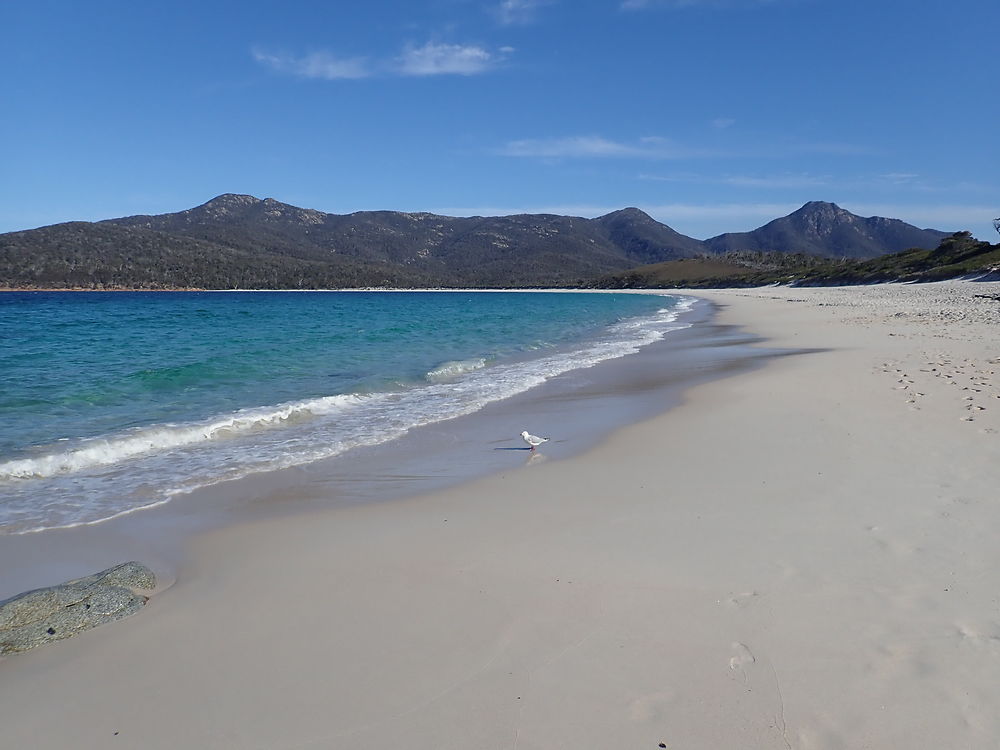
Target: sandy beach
(801,556)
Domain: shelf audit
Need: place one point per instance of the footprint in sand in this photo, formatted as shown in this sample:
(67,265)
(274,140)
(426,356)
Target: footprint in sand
(742,658)
(742,600)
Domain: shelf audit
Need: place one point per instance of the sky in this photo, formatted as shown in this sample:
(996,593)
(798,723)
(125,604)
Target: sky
(710,115)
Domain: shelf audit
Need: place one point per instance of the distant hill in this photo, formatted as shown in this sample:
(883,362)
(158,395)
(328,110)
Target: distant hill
(961,254)
(107,256)
(521,250)
(646,240)
(826,229)
(239,241)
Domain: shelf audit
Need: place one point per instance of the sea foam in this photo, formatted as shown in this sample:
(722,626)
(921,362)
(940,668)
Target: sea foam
(160,438)
(449,370)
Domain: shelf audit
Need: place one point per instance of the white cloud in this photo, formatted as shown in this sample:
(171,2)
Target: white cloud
(442,59)
(428,60)
(721,123)
(518,11)
(655,147)
(595,146)
(315,65)
(572,146)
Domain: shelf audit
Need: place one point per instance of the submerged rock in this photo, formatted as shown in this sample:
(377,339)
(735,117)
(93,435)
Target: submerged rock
(50,614)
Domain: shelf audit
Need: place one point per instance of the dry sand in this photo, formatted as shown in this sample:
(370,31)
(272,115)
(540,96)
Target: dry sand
(805,556)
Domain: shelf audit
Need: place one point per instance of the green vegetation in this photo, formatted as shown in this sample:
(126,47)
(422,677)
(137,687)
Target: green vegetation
(958,255)
(79,255)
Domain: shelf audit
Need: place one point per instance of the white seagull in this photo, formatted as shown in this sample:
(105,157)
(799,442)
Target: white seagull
(533,440)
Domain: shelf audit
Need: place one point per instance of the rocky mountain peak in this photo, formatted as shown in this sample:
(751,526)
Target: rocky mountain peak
(233,200)
(630,213)
(221,206)
(820,218)
(822,206)
(821,228)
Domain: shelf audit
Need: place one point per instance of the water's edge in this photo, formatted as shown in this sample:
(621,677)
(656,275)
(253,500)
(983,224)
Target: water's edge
(578,409)
(170,428)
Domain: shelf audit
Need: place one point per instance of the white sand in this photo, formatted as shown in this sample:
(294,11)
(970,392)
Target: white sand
(806,556)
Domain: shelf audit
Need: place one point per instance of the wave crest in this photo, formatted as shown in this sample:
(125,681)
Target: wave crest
(157,438)
(453,369)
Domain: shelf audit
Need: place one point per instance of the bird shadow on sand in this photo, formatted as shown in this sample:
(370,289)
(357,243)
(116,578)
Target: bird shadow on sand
(532,457)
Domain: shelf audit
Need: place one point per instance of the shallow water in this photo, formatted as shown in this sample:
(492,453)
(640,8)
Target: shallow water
(111,403)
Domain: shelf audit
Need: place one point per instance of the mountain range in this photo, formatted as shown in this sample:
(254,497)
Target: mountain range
(239,241)
(827,230)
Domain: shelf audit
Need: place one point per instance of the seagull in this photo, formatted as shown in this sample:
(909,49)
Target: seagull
(533,440)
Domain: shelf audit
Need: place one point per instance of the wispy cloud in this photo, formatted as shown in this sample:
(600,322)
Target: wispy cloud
(430,59)
(510,12)
(571,146)
(721,123)
(442,59)
(595,146)
(321,65)
(656,147)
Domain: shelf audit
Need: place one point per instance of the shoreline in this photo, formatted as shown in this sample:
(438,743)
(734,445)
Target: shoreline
(589,402)
(799,556)
(513,368)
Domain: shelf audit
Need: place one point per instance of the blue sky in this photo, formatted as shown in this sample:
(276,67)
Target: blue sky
(711,115)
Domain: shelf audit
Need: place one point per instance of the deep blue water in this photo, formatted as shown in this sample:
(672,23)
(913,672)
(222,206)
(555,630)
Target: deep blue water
(111,402)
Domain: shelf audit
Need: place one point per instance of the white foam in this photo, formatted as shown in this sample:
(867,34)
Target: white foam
(453,369)
(159,438)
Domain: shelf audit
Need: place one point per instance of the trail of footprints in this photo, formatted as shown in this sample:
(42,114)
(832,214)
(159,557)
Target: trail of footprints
(973,381)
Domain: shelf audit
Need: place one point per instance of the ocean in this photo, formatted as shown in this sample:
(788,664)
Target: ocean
(111,403)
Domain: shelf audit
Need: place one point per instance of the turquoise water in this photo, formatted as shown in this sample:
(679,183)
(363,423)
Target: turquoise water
(111,402)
